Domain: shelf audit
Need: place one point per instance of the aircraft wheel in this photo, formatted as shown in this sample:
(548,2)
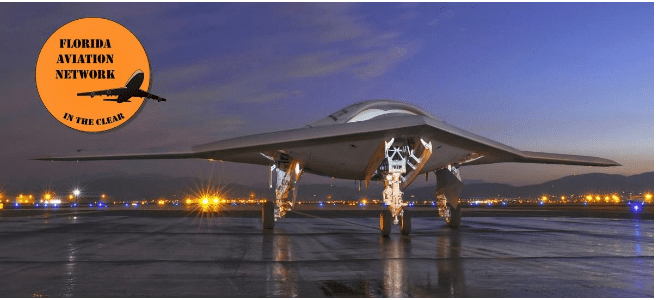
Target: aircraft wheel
(385,223)
(406,223)
(452,216)
(267,216)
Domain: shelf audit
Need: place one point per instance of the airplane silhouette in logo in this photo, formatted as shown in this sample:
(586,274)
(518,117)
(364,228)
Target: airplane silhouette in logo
(131,89)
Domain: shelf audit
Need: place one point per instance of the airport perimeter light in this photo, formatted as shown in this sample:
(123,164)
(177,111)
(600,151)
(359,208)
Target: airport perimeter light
(76,192)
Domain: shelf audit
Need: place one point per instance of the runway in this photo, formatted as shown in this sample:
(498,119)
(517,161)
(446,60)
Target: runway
(98,253)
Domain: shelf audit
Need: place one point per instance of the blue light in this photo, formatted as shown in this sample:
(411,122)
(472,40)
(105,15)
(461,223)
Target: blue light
(503,203)
(434,204)
(37,205)
(100,204)
(541,203)
(90,204)
(585,203)
(636,208)
(489,204)
(320,203)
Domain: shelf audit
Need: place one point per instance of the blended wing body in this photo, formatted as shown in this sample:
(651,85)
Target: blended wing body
(131,89)
(382,140)
(343,144)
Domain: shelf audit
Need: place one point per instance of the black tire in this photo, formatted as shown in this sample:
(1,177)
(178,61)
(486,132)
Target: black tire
(385,223)
(453,216)
(268,220)
(406,223)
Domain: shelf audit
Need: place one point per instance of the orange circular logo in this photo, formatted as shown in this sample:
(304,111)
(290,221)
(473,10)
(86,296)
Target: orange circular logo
(93,75)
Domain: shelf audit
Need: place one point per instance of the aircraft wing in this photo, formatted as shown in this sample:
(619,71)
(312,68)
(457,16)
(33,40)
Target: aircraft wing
(253,148)
(141,93)
(109,92)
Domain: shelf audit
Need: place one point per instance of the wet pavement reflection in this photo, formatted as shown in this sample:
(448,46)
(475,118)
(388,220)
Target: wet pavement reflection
(281,276)
(116,256)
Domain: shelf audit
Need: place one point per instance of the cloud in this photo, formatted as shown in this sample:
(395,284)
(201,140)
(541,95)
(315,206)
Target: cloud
(444,16)
(326,40)
(340,23)
(383,61)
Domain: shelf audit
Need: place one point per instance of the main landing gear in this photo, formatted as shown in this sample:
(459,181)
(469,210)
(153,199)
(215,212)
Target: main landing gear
(288,172)
(447,193)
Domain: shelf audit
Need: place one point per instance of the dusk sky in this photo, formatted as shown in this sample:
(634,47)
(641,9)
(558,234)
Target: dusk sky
(554,77)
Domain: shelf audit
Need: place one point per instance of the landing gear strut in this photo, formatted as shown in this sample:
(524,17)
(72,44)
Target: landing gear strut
(288,171)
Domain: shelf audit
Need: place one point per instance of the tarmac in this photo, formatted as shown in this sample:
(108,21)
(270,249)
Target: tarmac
(157,253)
